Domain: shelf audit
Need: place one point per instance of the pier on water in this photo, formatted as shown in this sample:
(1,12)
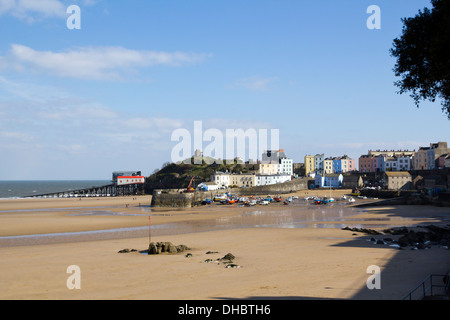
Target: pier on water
(124,183)
(110,190)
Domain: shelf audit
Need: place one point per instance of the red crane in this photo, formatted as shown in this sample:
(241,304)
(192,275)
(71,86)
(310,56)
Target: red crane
(189,188)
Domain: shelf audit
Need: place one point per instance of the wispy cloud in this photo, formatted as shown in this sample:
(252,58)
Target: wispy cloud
(67,125)
(99,63)
(30,10)
(37,10)
(256,83)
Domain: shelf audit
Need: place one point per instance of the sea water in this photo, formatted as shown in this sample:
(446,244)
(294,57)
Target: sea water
(20,189)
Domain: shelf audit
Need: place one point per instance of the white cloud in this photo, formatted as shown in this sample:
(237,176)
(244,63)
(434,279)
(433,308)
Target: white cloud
(235,123)
(256,83)
(73,149)
(30,9)
(152,123)
(73,111)
(30,91)
(379,145)
(100,63)
(16,136)
(73,126)
(36,10)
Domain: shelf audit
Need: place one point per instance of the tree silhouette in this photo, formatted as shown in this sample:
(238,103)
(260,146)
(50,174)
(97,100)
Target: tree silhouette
(423,56)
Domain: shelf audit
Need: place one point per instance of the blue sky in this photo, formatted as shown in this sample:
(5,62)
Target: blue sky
(79,104)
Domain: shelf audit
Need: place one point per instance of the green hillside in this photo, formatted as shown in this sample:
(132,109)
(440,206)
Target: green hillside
(178,176)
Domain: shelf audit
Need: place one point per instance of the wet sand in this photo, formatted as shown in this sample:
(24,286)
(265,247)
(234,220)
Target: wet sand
(291,259)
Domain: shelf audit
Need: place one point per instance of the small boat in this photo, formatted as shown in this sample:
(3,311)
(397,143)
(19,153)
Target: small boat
(277,199)
(220,197)
(264,202)
(243,199)
(351,199)
(344,198)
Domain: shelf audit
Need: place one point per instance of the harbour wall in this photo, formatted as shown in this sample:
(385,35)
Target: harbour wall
(179,198)
(279,188)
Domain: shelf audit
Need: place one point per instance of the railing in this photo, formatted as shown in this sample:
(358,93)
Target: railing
(101,191)
(434,285)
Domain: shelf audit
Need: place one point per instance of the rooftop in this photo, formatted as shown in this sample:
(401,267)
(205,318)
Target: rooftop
(398,174)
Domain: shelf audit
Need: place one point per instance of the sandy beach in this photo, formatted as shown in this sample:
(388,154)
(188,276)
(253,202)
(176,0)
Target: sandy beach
(293,259)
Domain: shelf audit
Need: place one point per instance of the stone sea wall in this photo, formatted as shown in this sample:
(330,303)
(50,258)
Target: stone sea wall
(178,198)
(279,188)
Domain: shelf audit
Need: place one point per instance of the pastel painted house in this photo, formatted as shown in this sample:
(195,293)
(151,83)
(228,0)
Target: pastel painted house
(309,165)
(269,168)
(377,163)
(328,165)
(343,164)
(366,163)
(337,165)
(347,164)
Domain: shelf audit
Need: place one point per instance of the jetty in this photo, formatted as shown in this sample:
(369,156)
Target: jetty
(110,190)
(124,183)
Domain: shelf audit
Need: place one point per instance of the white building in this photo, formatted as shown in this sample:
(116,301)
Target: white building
(225,179)
(329,180)
(286,166)
(208,186)
(263,180)
(399,163)
(318,162)
(404,163)
(388,164)
(277,157)
(222,179)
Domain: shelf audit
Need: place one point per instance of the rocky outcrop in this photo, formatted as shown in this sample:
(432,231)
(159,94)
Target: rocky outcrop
(165,247)
(432,236)
(367,231)
(228,257)
(127,250)
(227,260)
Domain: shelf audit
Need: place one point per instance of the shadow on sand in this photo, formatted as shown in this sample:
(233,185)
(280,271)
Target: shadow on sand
(408,267)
